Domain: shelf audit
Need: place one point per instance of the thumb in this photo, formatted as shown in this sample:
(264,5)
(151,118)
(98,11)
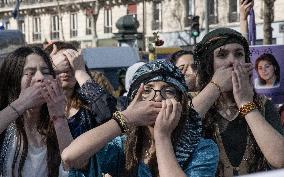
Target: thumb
(138,96)
(54,50)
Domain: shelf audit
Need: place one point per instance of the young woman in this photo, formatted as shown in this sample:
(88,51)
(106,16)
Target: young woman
(245,125)
(268,71)
(164,139)
(88,105)
(32,116)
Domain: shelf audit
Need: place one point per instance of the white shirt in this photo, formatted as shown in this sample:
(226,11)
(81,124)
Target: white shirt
(35,163)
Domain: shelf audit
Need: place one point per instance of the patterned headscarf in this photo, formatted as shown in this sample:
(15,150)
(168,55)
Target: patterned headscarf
(216,39)
(160,70)
(163,70)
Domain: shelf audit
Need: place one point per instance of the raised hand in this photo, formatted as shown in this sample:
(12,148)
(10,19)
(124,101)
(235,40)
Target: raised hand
(223,77)
(242,86)
(60,62)
(54,97)
(30,96)
(75,59)
(141,113)
(245,6)
(168,118)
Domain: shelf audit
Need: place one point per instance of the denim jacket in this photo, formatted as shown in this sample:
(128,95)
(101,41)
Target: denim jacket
(203,161)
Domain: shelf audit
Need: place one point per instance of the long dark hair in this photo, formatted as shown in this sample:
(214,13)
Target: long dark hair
(270,59)
(205,72)
(175,56)
(11,72)
(138,140)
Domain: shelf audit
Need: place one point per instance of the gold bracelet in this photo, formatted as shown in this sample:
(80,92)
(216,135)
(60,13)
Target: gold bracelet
(246,108)
(120,119)
(217,85)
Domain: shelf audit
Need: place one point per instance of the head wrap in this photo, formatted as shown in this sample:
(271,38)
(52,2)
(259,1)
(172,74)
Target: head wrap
(216,39)
(163,70)
(129,74)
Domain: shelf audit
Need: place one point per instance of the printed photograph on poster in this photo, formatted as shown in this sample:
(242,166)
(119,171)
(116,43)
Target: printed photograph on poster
(268,77)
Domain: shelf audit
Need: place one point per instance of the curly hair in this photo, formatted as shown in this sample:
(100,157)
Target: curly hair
(270,59)
(11,72)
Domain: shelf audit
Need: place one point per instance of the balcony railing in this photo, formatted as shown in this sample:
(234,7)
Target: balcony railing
(12,3)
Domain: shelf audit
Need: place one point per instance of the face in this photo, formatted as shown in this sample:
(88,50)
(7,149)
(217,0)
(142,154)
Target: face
(63,70)
(265,70)
(184,63)
(158,91)
(35,69)
(228,54)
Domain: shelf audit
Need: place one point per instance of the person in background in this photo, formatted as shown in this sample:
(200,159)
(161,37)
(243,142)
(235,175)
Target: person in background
(268,71)
(88,105)
(184,61)
(244,124)
(122,100)
(167,142)
(33,126)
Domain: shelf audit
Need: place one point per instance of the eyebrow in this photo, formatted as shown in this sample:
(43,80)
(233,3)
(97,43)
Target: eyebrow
(34,68)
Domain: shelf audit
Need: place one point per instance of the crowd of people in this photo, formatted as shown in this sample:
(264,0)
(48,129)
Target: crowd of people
(195,114)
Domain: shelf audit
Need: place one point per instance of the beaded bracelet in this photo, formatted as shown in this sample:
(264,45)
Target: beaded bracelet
(217,85)
(120,119)
(14,109)
(246,108)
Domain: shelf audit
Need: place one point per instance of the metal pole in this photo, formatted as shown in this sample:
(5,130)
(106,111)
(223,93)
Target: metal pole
(206,16)
(144,26)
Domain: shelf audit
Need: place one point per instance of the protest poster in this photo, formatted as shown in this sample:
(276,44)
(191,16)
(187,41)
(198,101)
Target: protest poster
(268,77)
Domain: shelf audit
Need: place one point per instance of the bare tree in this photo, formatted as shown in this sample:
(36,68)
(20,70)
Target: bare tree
(268,18)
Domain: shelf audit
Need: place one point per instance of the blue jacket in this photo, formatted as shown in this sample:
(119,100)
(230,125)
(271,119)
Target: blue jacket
(203,162)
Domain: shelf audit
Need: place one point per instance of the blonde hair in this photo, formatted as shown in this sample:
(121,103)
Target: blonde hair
(102,80)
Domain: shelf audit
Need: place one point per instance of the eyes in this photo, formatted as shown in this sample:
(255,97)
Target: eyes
(267,66)
(223,54)
(32,72)
(166,93)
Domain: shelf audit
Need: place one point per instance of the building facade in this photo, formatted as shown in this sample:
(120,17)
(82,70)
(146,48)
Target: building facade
(74,20)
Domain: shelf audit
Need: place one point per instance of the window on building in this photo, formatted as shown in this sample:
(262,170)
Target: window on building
(54,27)
(212,11)
(157,15)
(233,11)
(132,10)
(74,25)
(107,20)
(189,6)
(89,25)
(36,29)
(21,24)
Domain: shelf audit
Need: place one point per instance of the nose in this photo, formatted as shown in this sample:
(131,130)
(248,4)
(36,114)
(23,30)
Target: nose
(231,60)
(158,97)
(39,77)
